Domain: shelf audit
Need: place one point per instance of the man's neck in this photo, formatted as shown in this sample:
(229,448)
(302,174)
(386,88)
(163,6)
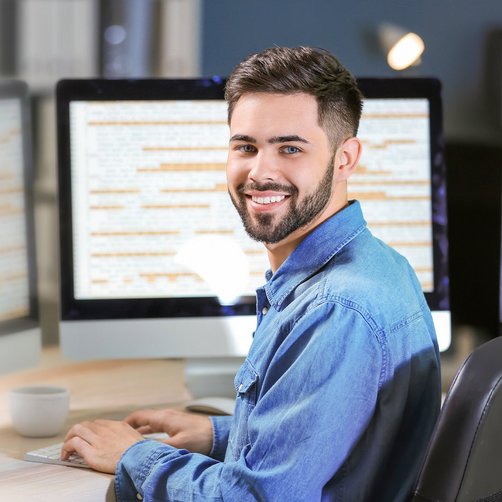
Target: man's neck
(278,253)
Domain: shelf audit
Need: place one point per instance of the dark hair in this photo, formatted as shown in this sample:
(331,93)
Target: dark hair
(317,72)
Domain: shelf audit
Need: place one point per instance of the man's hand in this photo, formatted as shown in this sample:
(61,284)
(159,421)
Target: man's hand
(192,432)
(101,443)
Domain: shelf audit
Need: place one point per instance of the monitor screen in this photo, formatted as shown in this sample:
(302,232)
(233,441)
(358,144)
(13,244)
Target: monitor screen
(19,325)
(153,254)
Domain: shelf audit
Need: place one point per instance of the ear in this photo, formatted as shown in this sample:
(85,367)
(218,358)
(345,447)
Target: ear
(346,158)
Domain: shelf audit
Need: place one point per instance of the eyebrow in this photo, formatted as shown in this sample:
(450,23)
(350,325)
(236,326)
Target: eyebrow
(287,139)
(242,137)
(274,140)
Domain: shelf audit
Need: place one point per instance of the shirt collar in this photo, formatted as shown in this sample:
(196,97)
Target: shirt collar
(318,247)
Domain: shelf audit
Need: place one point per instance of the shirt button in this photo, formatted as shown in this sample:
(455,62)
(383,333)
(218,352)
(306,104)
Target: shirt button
(264,310)
(240,387)
(139,496)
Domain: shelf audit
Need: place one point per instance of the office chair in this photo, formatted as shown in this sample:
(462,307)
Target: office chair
(464,458)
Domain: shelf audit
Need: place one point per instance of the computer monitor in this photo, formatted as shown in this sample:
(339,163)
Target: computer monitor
(20,335)
(154,259)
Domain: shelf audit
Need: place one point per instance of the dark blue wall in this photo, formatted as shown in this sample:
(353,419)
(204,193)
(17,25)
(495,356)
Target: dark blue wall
(455,32)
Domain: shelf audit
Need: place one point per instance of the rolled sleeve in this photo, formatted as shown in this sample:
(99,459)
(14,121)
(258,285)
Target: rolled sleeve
(145,468)
(134,468)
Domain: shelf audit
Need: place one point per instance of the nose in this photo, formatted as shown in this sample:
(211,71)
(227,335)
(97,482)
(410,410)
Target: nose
(263,168)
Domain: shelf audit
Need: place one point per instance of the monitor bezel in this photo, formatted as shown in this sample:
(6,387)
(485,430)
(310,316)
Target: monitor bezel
(209,89)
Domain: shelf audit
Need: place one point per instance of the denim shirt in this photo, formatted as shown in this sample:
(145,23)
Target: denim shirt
(337,397)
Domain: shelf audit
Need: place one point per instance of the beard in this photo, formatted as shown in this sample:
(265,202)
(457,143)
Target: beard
(262,227)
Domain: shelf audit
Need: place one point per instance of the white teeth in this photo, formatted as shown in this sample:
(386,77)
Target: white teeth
(268,200)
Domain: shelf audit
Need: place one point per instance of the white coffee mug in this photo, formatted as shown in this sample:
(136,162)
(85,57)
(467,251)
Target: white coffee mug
(39,410)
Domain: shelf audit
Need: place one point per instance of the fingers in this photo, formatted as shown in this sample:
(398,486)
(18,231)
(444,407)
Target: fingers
(101,443)
(74,445)
(147,421)
(145,429)
(140,418)
(82,430)
(89,431)
(80,438)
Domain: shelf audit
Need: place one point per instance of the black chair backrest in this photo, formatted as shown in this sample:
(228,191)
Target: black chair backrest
(464,459)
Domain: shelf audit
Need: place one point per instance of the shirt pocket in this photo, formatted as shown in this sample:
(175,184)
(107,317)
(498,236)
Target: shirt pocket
(246,386)
(246,382)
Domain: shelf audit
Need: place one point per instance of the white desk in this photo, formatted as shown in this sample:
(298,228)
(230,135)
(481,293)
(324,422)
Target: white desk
(99,389)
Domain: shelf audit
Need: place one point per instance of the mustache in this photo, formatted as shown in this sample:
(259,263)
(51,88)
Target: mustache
(263,187)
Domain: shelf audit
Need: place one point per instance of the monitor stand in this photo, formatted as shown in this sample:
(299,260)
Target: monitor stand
(212,376)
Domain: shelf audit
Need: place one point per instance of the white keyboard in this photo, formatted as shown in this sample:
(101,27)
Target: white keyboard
(52,454)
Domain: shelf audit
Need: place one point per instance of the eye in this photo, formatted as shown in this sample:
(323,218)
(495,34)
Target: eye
(290,150)
(246,148)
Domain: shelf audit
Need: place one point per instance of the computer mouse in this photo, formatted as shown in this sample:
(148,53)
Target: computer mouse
(212,405)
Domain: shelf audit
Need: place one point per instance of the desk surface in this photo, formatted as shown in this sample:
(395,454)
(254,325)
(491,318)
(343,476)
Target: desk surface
(98,389)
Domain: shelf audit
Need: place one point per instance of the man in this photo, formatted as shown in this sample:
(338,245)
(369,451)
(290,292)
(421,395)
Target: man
(341,389)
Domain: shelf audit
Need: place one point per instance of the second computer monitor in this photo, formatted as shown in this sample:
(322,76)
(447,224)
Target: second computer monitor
(20,335)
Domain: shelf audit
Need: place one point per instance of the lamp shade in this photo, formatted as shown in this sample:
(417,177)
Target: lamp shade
(403,48)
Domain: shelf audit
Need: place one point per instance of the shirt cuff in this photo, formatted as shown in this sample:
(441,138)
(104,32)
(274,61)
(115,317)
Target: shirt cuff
(221,431)
(135,466)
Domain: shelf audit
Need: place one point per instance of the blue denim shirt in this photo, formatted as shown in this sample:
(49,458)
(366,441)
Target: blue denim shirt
(338,395)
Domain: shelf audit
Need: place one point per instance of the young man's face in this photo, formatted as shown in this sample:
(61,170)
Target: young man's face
(280,166)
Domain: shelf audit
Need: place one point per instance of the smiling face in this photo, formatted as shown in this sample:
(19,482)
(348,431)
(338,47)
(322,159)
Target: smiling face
(281,168)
